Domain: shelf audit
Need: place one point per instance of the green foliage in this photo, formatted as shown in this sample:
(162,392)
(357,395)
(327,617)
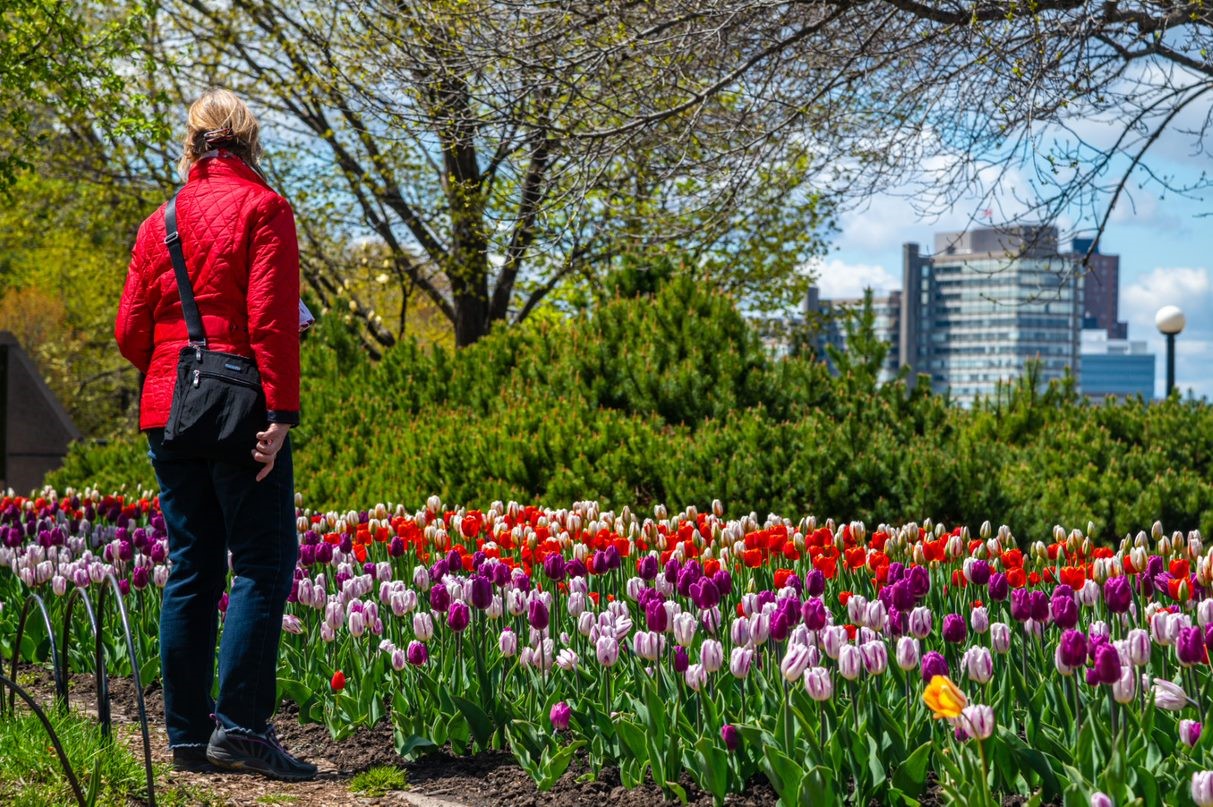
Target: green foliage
(63,253)
(671,398)
(67,60)
(29,768)
(379,781)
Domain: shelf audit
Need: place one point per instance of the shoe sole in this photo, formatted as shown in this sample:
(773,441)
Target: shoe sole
(221,759)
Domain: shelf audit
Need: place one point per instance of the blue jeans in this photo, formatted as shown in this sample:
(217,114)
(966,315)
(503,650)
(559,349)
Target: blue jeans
(210,508)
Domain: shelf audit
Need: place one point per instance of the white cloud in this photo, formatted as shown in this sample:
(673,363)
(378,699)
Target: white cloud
(1192,290)
(838,279)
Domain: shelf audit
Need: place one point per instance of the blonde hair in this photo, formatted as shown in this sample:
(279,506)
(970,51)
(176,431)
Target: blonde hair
(218,109)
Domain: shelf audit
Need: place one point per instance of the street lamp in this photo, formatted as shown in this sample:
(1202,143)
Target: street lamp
(1170,321)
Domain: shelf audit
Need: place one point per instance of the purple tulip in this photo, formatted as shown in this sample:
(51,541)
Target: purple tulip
(648,568)
(671,570)
(439,570)
(417,653)
(1021,609)
(1117,594)
(723,582)
(347,544)
(979,572)
(501,575)
(1064,611)
(324,554)
(704,593)
(553,566)
(139,577)
(482,592)
(611,556)
(779,626)
(521,580)
(1106,667)
(814,613)
(954,629)
(1189,732)
(537,614)
(307,554)
(681,661)
(440,598)
(933,664)
(920,581)
(896,572)
(730,736)
(1039,605)
(1190,646)
(901,594)
(656,617)
(1072,650)
(575,568)
(815,583)
(454,562)
(395,547)
(560,715)
(998,587)
(458,616)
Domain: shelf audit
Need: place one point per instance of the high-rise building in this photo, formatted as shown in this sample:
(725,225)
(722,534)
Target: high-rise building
(829,318)
(1100,290)
(1115,367)
(986,304)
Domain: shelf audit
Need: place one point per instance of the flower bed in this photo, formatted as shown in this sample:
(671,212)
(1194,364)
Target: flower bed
(839,662)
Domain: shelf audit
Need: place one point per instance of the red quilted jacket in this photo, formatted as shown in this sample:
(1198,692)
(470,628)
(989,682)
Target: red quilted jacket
(239,242)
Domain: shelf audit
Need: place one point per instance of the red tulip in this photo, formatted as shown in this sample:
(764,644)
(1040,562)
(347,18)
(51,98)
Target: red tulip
(338,682)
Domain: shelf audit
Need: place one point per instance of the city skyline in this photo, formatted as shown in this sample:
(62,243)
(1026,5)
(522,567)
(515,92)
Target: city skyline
(1163,244)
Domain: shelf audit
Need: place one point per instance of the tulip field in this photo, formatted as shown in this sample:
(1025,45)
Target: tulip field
(843,663)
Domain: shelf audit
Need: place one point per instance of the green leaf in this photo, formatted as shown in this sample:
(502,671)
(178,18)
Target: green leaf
(874,764)
(911,775)
(784,774)
(555,766)
(631,736)
(480,724)
(712,773)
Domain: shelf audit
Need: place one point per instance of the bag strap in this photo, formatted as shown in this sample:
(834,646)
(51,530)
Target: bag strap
(193,321)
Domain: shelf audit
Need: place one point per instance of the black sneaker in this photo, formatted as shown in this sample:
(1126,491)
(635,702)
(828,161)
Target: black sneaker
(191,758)
(258,753)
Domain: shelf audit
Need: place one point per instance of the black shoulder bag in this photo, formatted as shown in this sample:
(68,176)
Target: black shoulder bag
(218,403)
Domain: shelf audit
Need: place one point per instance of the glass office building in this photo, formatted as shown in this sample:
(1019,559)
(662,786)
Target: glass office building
(986,304)
(1115,367)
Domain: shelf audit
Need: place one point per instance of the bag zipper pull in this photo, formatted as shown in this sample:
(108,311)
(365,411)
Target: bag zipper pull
(197,377)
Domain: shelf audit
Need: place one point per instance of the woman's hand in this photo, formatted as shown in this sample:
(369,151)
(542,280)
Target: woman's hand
(269,443)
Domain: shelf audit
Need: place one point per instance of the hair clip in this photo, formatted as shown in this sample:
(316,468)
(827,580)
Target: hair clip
(217,137)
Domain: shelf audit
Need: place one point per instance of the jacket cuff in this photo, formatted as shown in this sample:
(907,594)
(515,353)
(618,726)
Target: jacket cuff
(283,416)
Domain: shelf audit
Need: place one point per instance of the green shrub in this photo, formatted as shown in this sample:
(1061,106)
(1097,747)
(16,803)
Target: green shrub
(671,398)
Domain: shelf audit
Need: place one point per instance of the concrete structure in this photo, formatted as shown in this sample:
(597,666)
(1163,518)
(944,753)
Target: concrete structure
(984,305)
(1116,367)
(34,428)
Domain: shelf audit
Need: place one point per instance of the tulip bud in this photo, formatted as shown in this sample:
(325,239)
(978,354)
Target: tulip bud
(1202,788)
(818,684)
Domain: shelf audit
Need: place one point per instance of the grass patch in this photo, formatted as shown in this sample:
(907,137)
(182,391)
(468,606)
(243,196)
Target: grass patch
(379,781)
(30,773)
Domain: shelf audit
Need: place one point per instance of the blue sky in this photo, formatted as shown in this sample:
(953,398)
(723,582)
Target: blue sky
(1164,243)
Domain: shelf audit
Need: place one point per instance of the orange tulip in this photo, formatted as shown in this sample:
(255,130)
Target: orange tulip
(943,698)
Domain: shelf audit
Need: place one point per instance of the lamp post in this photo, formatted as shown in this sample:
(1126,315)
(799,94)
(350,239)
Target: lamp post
(1170,321)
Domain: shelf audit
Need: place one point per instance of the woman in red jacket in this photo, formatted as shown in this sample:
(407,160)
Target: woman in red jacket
(238,237)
